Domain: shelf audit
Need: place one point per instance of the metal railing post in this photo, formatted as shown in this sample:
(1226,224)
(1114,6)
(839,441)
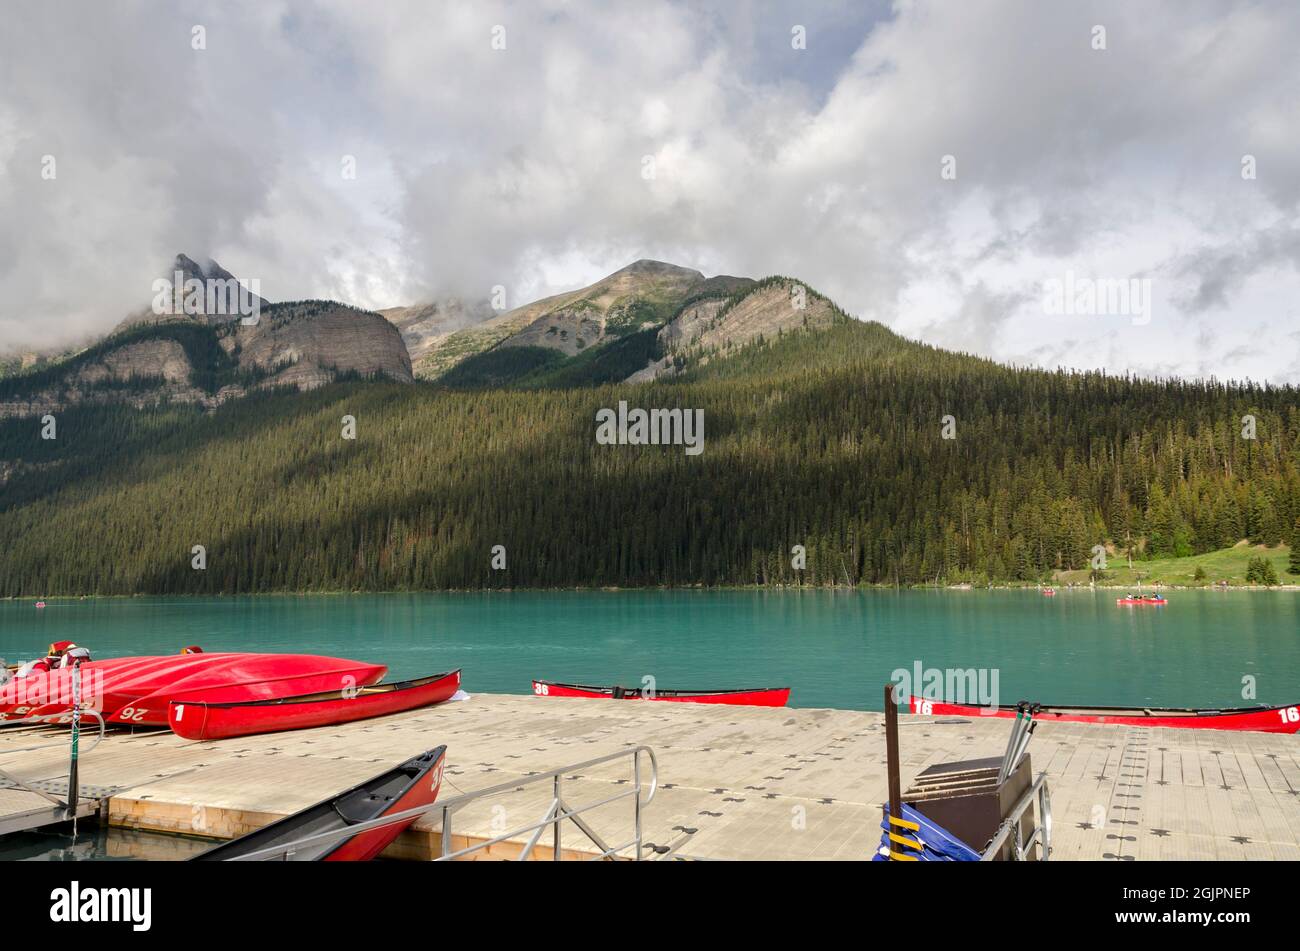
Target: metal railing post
(559,808)
(636,782)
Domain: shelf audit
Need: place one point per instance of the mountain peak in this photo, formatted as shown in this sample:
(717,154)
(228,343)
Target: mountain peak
(647,266)
(193,270)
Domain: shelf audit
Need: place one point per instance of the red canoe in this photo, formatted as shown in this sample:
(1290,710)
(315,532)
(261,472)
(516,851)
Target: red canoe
(1254,719)
(200,720)
(111,684)
(22,696)
(410,786)
(136,690)
(763,697)
(243,677)
(1141,601)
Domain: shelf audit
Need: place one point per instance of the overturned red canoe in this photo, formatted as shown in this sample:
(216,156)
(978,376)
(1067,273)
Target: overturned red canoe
(412,785)
(761,697)
(1259,719)
(243,677)
(22,697)
(199,720)
(107,685)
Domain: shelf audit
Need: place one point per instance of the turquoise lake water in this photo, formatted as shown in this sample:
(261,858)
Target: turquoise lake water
(835,649)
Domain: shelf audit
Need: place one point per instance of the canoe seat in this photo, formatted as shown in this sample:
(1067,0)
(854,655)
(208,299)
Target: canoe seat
(361,806)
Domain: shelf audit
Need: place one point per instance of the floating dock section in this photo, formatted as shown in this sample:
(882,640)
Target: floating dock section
(737,782)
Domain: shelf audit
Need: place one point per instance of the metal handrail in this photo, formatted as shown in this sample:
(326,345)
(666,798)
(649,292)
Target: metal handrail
(1012,825)
(556,813)
(45,721)
(17,783)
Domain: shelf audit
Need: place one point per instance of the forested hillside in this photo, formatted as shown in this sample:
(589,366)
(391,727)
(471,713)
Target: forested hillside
(831,439)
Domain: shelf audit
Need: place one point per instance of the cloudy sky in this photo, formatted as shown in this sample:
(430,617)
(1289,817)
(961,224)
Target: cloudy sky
(941,167)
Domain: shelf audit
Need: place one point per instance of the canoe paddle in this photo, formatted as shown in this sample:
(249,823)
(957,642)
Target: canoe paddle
(1011,741)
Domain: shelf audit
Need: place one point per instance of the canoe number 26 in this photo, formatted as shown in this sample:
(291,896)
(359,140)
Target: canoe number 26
(132,714)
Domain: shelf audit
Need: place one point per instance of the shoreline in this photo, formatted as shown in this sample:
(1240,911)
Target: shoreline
(611,589)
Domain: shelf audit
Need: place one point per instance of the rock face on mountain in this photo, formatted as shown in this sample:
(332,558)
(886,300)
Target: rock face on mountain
(217,301)
(424,326)
(303,344)
(149,359)
(309,343)
(645,293)
(141,371)
(647,320)
(713,325)
(641,295)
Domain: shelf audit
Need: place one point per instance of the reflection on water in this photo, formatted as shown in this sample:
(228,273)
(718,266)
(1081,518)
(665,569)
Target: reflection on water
(97,842)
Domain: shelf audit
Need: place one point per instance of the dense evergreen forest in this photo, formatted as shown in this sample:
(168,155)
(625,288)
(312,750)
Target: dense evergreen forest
(834,440)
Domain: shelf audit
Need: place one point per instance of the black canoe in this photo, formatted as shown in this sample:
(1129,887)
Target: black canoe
(413,784)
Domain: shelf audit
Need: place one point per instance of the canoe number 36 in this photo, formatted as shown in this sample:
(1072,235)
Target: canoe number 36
(540,689)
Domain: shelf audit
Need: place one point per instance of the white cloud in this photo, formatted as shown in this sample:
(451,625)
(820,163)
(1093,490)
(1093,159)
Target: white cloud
(524,166)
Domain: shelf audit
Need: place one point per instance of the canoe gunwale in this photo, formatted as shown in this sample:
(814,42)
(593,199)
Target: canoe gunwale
(1192,712)
(1255,719)
(630,692)
(324,696)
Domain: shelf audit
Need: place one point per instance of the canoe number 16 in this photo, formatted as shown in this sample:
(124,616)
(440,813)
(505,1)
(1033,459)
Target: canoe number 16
(1289,715)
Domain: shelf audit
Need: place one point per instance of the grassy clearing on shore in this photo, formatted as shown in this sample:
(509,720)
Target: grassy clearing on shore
(1226,564)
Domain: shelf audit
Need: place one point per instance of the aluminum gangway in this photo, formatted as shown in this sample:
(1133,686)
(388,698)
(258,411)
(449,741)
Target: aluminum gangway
(559,812)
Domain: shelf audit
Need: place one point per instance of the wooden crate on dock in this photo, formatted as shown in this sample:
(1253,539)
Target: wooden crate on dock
(964,797)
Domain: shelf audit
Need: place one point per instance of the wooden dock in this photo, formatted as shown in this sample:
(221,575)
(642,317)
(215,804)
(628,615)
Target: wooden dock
(753,783)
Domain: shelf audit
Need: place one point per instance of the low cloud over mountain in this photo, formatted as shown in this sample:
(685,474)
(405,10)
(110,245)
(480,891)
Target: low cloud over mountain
(929,165)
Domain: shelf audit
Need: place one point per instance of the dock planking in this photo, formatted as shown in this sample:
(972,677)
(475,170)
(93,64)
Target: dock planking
(753,783)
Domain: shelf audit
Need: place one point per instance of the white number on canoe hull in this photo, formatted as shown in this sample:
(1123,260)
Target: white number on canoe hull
(923,707)
(540,689)
(132,714)
(1290,715)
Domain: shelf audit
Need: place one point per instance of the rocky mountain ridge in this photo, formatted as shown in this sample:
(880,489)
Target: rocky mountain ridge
(645,321)
(209,357)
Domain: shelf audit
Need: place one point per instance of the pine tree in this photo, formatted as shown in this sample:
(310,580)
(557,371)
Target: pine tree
(1294,565)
